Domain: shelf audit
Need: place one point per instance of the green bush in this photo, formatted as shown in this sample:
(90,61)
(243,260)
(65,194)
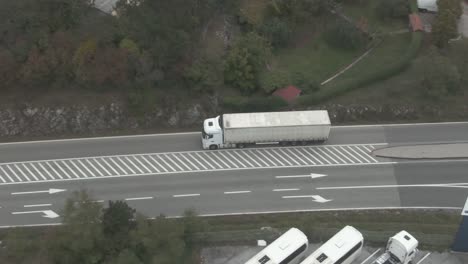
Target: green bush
(245,61)
(272,80)
(440,76)
(343,35)
(388,9)
(276,31)
(253,104)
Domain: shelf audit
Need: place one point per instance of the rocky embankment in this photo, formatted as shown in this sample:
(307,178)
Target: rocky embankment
(41,121)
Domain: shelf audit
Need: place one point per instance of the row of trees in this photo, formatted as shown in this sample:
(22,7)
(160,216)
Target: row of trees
(117,234)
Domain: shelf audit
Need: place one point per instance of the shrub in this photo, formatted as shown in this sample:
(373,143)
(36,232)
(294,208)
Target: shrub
(272,80)
(203,76)
(440,76)
(276,31)
(388,9)
(343,35)
(254,104)
(245,61)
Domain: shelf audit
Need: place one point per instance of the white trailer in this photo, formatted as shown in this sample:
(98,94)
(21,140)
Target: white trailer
(343,248)
(401,249)
(288,248)
(240,130)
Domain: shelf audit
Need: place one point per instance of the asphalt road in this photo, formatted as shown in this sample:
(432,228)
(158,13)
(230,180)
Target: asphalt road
(351,184)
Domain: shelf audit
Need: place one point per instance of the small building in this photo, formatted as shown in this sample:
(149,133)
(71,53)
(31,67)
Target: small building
(288,93)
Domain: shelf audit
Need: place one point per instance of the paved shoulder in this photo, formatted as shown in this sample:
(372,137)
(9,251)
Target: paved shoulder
(429,151)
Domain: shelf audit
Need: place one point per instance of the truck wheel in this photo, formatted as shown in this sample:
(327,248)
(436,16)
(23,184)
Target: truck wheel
(213,147)
(240,145)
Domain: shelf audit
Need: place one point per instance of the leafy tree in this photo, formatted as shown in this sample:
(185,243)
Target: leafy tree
(344,35)
(244,62)
(388,9)
(204,75)
(440,76)
(459,55)
(276,31)
(79,240)
(8,67)
(125,257)
(117,223)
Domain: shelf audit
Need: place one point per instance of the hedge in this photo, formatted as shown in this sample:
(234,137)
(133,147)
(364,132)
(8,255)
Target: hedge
(370,77)
(253,104)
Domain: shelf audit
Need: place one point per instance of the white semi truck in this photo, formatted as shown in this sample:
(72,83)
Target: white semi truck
(401,249)
(241,130)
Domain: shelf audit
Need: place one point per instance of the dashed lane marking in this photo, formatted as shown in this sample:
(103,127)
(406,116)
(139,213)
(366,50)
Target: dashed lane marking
(191,161)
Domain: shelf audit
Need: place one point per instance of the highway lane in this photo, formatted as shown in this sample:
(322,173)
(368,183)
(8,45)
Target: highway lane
(249,191)
(159,143)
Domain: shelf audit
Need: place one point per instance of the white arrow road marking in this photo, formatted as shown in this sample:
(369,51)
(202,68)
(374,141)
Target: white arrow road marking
(316,198)
(50,191)
(47,213)
(312,176)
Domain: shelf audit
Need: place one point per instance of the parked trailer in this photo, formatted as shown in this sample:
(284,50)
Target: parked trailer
(401,249)
(343,248)
(240,130)
(288,248)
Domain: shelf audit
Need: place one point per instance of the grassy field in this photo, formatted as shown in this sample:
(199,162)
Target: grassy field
(389,51)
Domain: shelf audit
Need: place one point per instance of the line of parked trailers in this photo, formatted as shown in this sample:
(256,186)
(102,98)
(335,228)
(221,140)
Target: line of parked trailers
(343,248)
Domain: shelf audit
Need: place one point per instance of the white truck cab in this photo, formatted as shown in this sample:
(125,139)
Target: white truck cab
(401,249)
(212,134)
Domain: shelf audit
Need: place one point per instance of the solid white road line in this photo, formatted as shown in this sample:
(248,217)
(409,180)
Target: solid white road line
(375,252)
(425,256)
(393,186)
(286,190)
(236,192)
(36,205)
(139,198)
(186,195)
